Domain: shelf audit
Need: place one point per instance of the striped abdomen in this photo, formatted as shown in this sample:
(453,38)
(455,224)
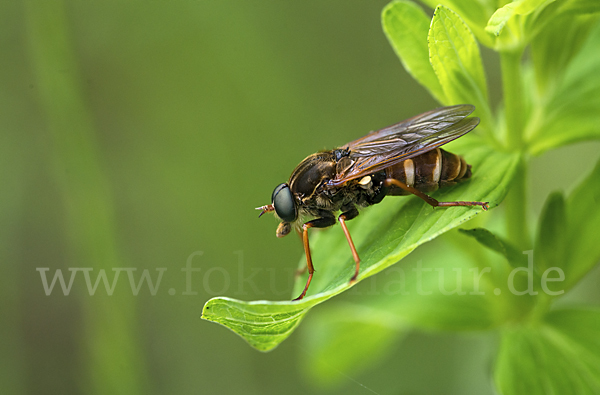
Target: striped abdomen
(429,171)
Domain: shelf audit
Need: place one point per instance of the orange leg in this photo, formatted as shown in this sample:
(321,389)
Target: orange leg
(309,264)
(318,223)
(342,218)
(428,199)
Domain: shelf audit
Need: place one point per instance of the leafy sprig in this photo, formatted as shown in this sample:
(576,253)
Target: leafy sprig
(550,99)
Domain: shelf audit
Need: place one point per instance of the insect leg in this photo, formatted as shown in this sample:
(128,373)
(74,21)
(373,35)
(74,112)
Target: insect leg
(348,215)
(315,223)
(428,199)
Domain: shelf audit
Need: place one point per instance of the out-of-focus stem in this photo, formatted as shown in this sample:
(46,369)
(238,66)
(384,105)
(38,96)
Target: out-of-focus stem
(113,362)
(512,85)
(516,204)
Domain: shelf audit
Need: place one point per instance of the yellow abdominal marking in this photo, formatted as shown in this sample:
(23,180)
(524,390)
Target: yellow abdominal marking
(409,171)
(437,170)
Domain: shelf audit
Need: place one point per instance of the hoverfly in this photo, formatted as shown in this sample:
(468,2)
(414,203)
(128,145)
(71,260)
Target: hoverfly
(402,159)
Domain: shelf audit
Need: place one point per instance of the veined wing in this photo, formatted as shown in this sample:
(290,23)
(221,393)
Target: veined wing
(388,146)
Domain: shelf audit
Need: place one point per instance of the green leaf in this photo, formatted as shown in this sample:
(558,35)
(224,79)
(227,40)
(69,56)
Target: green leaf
(406,27)
(503,14)
(495,243)
(557,36)
(550,244)
(262,324)
(583,228)
(475,13)
(454,55)
(560,356)
(383,234)
(573,113)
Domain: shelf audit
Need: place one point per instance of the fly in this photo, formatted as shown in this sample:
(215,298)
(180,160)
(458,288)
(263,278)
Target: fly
(402,159)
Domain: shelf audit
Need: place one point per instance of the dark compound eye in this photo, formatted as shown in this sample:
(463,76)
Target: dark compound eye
(284,204)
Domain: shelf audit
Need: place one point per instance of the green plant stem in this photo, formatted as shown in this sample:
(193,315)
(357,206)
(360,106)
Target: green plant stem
(512,85)
(516,200)
(539,310)
(516,209)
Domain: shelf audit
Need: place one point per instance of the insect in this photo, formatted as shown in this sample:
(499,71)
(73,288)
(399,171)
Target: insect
(402,159)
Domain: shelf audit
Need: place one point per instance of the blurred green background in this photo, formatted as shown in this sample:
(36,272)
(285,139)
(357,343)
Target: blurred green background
(135,134)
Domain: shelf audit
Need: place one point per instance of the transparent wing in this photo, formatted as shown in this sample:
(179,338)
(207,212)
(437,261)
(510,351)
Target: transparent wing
(388,146)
